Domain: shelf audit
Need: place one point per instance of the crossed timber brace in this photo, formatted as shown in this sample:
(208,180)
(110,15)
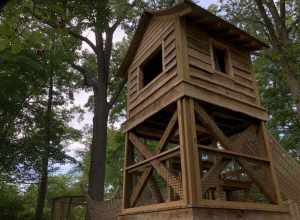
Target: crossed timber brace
(269,190)
(171,180)
(191,122)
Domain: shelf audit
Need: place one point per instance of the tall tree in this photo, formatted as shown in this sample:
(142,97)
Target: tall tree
(54,129)
(37,84)
(281,20)
(278,68)
(102,19)
(278,23)
(43,182)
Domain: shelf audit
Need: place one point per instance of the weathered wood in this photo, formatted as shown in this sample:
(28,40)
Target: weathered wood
(148,91)
(160,147)
(162,157)
(234,184)
(251,171)
(217,210)
(127,180)
(189,151)
(220,99)
(161,169)
(161,101)
(233,154)
(181,48)
(211,178)
(187,37)
(269,155)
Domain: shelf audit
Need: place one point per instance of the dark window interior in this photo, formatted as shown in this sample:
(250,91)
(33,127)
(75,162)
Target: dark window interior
(152,67)
(220,59)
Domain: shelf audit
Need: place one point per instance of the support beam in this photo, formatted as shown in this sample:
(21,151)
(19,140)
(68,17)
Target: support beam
(233,154)
(171,179)
(268,190)
(161,157)
(212,177)
(127,179)
(189,151)
(148,171)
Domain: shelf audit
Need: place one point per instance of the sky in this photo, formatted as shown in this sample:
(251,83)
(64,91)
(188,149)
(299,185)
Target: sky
(80,98)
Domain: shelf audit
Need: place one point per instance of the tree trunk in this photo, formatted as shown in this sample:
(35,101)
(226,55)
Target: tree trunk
(291,71)
(275,22)
(98,150)
(99,141)
(43,183)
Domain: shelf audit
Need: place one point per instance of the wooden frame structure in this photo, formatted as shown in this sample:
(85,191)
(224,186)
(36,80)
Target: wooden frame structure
(195,137)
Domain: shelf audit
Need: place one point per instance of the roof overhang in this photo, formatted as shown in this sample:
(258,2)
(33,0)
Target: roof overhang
(211,23)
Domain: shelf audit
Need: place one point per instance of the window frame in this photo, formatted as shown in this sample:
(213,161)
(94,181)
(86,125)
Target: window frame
(141,85)
(228,61)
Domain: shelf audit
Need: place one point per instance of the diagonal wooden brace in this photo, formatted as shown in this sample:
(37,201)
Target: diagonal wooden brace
(148,171)
(153,186)
(170,178)
(210,124)
(212,176)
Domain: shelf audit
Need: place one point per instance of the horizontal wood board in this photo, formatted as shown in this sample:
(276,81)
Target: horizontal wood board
(160,33)
(239,84)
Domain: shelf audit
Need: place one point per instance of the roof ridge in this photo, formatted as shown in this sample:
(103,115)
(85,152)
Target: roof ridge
(196,11)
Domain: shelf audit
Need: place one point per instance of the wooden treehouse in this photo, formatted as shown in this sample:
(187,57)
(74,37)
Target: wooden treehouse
(196,143)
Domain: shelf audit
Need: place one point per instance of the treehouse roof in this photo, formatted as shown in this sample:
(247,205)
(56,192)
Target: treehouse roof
(209,22)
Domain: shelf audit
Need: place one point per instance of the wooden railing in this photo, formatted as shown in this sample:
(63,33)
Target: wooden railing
(288,173)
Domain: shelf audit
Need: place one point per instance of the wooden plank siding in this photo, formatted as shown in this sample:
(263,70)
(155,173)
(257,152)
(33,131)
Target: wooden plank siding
(236,91)
(239,84)
(160,33)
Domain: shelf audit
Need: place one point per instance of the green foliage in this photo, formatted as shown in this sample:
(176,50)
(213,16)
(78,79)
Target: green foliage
(276,97)
(17,204)
(11,203)
(28,59)
(273,86)
(114,165)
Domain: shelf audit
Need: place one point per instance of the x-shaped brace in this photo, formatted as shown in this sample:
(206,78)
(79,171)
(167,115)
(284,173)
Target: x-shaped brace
(210,124)
(171,180)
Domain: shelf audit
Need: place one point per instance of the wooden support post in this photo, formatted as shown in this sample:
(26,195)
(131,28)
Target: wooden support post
(127,179)
(159,148)
(211,178)
(181,48)
(170,179)
(210,124)
(270,156)
(189,151)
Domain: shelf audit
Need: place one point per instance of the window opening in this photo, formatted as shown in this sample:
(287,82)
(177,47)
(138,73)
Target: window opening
(152,67)
(220,59)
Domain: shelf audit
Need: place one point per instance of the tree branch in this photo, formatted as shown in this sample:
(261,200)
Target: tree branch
(68,30)
(280,24)
(121,18)
(88,79)
(282,10)
(115,25)
(82,38)
(116,95)
(268,23)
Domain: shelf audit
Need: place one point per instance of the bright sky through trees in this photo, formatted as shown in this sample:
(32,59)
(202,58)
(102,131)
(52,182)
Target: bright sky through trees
(82,97)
